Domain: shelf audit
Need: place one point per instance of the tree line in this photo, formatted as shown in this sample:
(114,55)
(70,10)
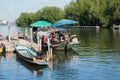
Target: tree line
(103,13)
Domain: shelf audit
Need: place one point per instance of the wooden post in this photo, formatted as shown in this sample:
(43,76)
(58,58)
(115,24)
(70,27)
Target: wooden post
(25,33)
(47,56)
(8,31)
(51,53)
(49,46)
(38,39)
(40,44)
(31,36)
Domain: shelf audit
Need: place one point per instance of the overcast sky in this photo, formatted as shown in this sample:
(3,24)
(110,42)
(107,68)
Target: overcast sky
(11,9)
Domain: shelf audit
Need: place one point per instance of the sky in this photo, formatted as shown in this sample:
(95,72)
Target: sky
(10,10)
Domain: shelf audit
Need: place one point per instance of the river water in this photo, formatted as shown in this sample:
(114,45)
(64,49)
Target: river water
(97,58)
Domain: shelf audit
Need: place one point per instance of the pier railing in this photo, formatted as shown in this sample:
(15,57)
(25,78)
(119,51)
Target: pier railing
(87,27)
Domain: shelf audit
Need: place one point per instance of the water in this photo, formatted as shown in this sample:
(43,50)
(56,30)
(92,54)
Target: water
(97,58)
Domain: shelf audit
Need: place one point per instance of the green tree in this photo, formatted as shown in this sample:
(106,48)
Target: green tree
(23,19)
(94,12)
(51,14)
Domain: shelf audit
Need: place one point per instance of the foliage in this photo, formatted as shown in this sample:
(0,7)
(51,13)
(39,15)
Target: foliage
(103,13)
(50,14)
(94,12)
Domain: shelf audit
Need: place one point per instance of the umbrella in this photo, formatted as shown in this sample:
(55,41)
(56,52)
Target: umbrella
(40,24)
(63,22)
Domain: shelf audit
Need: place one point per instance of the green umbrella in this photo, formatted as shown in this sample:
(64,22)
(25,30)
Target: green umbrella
(40,24)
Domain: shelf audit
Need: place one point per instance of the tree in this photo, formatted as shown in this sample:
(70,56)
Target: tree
(23,19)
(51,14)
(94,12)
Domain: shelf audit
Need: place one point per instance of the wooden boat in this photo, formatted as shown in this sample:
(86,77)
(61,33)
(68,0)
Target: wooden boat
(29,55)
(2,48)
(57,39)
(51,38)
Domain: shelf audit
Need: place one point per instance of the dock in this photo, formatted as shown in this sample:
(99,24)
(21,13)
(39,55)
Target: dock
(10,45)
(87,27)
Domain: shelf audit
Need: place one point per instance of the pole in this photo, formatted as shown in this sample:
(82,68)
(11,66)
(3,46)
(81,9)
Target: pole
(38,39)
(25,33)
(49,52)
(8,23)
(31,37)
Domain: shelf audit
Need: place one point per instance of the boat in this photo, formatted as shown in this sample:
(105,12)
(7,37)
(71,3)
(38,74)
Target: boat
(52,38)
(57,39)
(30,56)
(2,48)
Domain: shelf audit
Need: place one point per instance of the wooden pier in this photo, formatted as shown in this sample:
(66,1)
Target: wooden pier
(87,27)
(10,45)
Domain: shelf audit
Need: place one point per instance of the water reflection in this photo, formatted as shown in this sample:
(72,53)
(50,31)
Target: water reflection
(2,55)
(36,70)
(60,57)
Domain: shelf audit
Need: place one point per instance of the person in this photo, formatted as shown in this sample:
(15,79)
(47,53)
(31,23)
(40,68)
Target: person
(53,35)
(74,39)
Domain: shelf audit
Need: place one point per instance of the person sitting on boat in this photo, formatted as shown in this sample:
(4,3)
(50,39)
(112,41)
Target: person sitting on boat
(74,39)
(53,39)
(53,35)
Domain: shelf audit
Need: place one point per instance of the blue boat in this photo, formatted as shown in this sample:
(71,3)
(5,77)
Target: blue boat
(30,56)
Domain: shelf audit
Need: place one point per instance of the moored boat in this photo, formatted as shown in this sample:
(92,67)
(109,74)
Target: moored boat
(2,48)
(57,39)
(30,56)
(52,38)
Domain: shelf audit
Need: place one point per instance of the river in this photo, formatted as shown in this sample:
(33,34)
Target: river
(97,58)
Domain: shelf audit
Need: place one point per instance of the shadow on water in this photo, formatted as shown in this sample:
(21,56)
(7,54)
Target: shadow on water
(3,54)
(37,70)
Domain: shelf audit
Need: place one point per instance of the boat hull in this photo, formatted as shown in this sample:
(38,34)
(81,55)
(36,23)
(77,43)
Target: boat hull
(25,55)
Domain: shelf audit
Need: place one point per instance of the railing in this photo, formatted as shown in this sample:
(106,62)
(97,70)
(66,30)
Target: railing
(87,27)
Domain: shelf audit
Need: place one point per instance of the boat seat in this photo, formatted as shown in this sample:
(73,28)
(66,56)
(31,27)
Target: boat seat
(31,52)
